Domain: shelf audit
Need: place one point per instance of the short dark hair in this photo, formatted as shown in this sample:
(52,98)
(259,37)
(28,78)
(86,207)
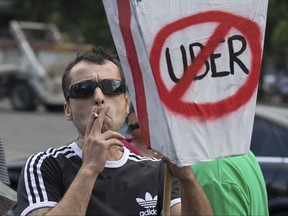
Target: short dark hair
(97,55)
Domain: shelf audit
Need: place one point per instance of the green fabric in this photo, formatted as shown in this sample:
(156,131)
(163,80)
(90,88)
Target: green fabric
(234,185)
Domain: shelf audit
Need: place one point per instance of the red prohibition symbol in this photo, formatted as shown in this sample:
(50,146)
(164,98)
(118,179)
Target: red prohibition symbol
(208,111)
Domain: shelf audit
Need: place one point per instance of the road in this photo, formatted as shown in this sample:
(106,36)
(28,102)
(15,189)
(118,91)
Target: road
(25,133)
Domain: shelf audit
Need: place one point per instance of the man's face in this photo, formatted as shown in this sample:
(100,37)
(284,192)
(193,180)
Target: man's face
(78,109)
(132,120)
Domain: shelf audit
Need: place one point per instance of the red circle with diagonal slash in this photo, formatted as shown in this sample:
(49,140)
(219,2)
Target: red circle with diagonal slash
(172,98)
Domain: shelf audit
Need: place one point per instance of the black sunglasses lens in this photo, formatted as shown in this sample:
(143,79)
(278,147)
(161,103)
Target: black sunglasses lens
(86,89)
(112,86)
(133,126)
(82,90)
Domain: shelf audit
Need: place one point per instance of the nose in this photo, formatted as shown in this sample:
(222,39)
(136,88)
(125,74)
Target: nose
(99,96)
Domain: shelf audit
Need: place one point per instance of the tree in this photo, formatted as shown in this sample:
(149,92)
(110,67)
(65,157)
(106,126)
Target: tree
(277,26)
(79,20)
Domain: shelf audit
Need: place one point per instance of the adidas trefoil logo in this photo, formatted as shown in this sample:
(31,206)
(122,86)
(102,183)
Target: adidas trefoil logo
(148,203)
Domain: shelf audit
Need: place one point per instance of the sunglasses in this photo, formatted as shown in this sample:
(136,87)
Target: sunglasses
(133,126)
(87,89)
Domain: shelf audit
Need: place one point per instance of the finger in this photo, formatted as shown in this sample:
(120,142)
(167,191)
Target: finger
(121,148)
(98,120)
(90,123)
(112,135)
(114,142)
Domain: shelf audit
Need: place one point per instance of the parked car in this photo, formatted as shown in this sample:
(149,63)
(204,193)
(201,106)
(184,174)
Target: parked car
(269,143)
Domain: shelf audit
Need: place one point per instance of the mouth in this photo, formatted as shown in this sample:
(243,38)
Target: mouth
(96,115)
(96,110)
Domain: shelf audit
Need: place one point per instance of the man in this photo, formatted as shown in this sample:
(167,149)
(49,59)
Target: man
(136,143)
(96,175)
(238,180)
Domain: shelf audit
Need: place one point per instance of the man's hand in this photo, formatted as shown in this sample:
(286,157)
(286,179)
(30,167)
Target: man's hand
(95,144)
(182,173)
(193,198)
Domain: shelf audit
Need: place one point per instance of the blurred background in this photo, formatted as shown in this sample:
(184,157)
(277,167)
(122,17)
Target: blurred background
(79,20)
(34,53)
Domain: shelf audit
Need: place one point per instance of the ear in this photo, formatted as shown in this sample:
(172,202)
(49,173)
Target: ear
(67,111)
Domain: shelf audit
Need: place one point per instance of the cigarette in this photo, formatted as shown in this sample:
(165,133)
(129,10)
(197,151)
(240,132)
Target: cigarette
(95,115)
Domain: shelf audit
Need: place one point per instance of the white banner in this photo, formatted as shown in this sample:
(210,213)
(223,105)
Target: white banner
(192,70)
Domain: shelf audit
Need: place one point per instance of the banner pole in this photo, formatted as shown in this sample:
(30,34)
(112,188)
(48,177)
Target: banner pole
(167,190)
